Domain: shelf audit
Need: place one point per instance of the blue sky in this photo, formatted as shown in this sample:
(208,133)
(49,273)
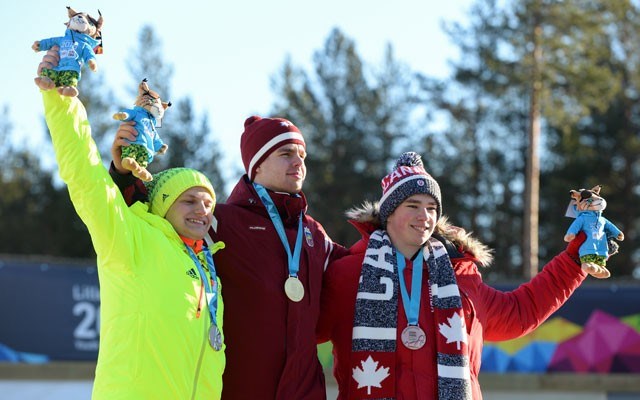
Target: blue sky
(223,53)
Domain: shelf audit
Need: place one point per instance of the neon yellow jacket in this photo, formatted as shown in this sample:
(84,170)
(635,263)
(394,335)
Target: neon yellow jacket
(152,343)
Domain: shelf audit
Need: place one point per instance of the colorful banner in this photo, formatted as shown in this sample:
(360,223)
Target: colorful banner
(50,311)
(596,331)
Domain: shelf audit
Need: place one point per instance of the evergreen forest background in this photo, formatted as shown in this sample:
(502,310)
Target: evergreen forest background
(572,65)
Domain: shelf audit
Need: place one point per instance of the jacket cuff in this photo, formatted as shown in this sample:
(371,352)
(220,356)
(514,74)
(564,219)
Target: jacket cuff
(119,179)
(576,262)
(575,258)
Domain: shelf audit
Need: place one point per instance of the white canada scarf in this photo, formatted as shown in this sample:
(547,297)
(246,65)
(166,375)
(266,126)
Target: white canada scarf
(373,343)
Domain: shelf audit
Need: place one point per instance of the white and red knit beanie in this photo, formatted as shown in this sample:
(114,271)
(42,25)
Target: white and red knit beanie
(262,136)
(407,178)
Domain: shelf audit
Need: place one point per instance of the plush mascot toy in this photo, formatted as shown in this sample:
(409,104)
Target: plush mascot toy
(147,114)
(594,252)
(78,45)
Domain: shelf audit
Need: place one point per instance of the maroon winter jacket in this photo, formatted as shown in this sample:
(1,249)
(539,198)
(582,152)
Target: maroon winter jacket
(271,347)
(270,341)
(490,314)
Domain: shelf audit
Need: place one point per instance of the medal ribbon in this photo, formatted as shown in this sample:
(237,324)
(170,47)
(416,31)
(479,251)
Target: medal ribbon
(211,284)
(294,259)
(411,305)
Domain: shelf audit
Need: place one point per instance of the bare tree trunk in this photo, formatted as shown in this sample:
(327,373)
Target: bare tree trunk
(532,178)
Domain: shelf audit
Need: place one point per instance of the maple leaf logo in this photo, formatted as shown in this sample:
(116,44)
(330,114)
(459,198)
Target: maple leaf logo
(370,375)
(455,331)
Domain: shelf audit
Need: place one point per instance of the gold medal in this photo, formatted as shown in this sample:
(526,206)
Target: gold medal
(294,289)
(413,337)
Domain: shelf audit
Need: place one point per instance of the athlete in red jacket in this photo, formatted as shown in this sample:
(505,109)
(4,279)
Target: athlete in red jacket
(421,337)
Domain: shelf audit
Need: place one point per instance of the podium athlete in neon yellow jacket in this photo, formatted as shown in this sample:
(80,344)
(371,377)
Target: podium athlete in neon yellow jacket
(161,310)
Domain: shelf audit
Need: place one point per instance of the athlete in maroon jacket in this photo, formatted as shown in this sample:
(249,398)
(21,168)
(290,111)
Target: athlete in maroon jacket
(272,267)
(408,333)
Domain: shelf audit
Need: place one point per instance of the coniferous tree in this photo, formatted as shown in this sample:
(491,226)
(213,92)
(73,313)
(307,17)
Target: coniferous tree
(577,82)
(37,216)
(478,154)
(353,118)
(195,147)
(148,61)
(601,146)
(191,142)
(99,101)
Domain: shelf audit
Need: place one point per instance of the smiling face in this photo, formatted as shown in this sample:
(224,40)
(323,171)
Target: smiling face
(412,223)
(284,169)
(192,213)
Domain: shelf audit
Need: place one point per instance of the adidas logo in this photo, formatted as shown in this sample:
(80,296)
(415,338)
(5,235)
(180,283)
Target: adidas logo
(192,273)
(164,196)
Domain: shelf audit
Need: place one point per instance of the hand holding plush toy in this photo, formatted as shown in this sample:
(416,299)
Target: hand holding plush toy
(77,46)
(147,112)
(595,251)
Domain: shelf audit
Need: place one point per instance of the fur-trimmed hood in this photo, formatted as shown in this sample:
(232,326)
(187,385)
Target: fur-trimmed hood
(366,219)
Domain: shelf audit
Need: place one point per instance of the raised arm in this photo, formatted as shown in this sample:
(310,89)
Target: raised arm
(93,193)
(508,315)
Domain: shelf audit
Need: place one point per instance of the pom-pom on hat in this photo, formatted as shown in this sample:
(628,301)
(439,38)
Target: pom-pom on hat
(262,136)
(169,184)
(407,178)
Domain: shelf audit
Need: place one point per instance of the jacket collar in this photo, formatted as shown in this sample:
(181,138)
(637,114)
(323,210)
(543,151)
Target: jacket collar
(195,245)
(289,206)
(142,210)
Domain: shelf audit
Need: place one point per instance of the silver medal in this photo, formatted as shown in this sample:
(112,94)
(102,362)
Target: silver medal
(215,338)
(413,337)
(294,289)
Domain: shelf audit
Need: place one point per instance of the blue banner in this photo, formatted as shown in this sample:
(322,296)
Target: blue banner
(48,311)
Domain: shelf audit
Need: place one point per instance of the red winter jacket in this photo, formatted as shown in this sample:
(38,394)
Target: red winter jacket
(271,348)
(270,341)
(490,314)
